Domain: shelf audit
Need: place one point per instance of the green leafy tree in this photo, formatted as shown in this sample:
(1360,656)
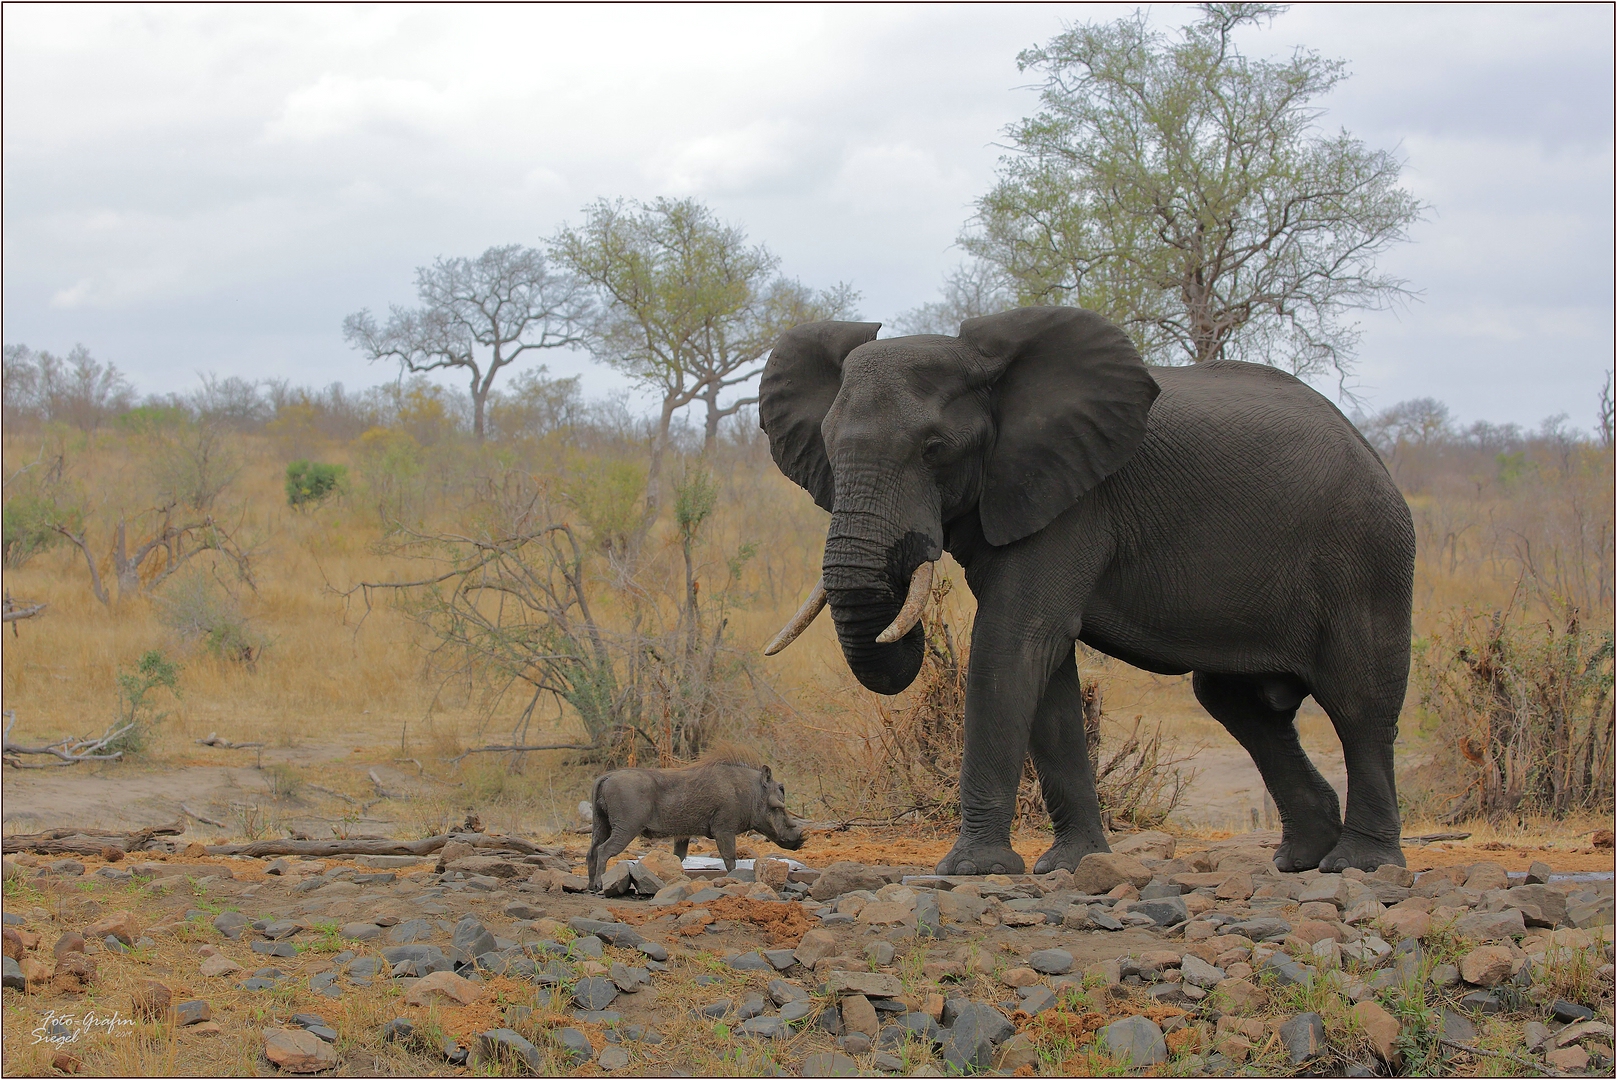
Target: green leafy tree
(312,482)
(1187,192)
(688,308)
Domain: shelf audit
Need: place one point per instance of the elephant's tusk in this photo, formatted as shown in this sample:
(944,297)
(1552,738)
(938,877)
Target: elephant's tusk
(800,622)
(914,604)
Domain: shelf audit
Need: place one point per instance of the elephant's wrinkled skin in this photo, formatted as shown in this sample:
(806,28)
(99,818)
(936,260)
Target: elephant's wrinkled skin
(1222,519)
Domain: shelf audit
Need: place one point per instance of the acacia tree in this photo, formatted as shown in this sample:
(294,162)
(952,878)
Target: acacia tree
(688,308)
(478,315)
(1184,190)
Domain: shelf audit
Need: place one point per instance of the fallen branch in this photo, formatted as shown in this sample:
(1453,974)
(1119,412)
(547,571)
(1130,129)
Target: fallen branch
(351,846)
(1432,838)
(349,799)
(205,820)
(12,614)
(522,749)
(382,791)
(70,750)
(1480,1052)
(225,744)
(88,841)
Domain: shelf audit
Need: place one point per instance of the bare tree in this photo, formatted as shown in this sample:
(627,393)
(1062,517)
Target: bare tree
(79,390)
(478,315)
(972,290)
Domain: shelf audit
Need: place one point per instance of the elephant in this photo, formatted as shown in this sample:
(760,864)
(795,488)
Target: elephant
(1222,519)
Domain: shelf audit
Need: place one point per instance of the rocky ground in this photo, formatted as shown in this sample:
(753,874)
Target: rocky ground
(1165,961)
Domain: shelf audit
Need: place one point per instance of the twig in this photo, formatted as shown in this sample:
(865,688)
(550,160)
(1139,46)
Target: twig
(12,614)
(334,794)
(1529,1062)
(1432,838)
(522,749)
(205,820)
(225,744)
(377,847)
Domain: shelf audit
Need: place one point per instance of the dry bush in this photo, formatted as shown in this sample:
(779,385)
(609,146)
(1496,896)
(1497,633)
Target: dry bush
(915,754)
(1522,717)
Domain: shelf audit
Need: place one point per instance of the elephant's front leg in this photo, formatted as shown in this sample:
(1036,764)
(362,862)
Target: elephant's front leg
(1061,755)
(1003,688)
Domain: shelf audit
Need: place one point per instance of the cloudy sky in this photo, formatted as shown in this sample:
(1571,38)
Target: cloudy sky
(212,189)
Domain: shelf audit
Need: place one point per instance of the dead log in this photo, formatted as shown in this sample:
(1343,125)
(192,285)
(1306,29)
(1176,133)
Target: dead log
(13,614)
(69,750)
(357,846)
(88,841)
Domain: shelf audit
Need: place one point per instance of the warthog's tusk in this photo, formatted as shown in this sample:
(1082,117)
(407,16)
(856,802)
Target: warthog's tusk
(914,605)
(800,622)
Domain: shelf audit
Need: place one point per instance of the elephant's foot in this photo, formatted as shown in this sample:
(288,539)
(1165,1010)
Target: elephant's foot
(1301,850)
(1364,852)
(967,859)
(1066,854)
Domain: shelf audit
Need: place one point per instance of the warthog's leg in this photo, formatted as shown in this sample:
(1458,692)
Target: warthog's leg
(681,846)
(726,842)
(612,845)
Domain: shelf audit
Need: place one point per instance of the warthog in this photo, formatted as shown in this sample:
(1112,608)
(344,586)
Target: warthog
(718,797)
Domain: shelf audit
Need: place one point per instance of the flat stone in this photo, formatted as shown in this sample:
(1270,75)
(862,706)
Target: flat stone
(779,959)
(14,978)
(795,1011)
(187,1013)
(654,951)
(297,1051)
(867,983)
(1486,965)
(1303,1037)
(411,930)
(1100,872)
(397,1030)
(589,945)
(1570,1012)
(1265,928)
(1198,972)
(830,1063)
(781,991)
(764,1027)
(360,931)
(1135,1041)
(1288,971)
(1491,925)
(974,1030)
(1381,1029)
(1036,999)
(1167,911)
(278,929)
(750,961)
(230,924)
(612,1058)
(503,1043)
(622,935)
(1051,961)
(443,984)
(274,948)
(1539,873)
(858,1015)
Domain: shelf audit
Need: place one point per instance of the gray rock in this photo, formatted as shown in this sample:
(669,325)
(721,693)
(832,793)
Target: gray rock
(273,948)
(652,949)
(1158,892)
(612,1058)
(751,1005)
(256,983)
(830,1063)
(13,975)
(471,938)
(617,879)
(628,979)
(795,1011)
(411,930)
(1491,925)
(928,916)
(645,882)
(779,959)
(1444,976)
(187,1013)
(718,1010)
(854,1042)
(750,961)
(622,935)
(453,1052)
(1570,1012)
(880,953)
(280,928)
(365,967)
(968,1044)
(1457,1028)
(593,993)
(1198,972)
(781,991)
(491,1046)
(1036,999)
(573,1042)
(1051,961)
(1303,1037)
(397,1030)
(360,931)
(1288,971)
(1266,928)
(1539,873)
(1103,919)
(589,945)
(919,1025)
(230,924)
(1135,1040)
(764,1027)
(707,895)
(598,1016)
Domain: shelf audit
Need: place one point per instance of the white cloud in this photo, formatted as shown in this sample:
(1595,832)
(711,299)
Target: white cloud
(341,105)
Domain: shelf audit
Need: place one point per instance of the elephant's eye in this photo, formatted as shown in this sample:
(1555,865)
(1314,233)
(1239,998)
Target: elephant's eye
(934,451)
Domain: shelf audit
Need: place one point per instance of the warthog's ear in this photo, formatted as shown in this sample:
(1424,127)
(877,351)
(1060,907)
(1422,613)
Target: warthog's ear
(768,776)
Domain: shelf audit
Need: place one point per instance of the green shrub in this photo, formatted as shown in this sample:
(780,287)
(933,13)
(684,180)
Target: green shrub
(200,609)
(312,482)
(152,670)
(29,526)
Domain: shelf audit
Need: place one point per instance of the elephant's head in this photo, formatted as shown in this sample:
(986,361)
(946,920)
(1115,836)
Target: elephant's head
(1014,420)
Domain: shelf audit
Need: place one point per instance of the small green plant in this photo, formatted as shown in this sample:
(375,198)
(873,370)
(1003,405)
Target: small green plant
(153,671)
(283,780)
(310,483)
(198,608)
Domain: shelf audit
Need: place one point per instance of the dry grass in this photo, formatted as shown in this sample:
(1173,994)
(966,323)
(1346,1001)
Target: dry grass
(337,684)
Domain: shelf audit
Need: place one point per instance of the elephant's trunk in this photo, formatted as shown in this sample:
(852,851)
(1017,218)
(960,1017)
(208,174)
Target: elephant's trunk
(867,581)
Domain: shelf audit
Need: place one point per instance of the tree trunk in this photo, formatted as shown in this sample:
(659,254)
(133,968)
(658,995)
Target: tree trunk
(479,402)
(711,433)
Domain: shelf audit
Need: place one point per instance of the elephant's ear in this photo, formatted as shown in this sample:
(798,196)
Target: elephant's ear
(800,381)
(1071,396)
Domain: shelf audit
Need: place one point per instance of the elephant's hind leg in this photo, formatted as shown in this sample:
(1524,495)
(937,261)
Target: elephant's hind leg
(1061,756)
(1260,713)
(1366,720)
